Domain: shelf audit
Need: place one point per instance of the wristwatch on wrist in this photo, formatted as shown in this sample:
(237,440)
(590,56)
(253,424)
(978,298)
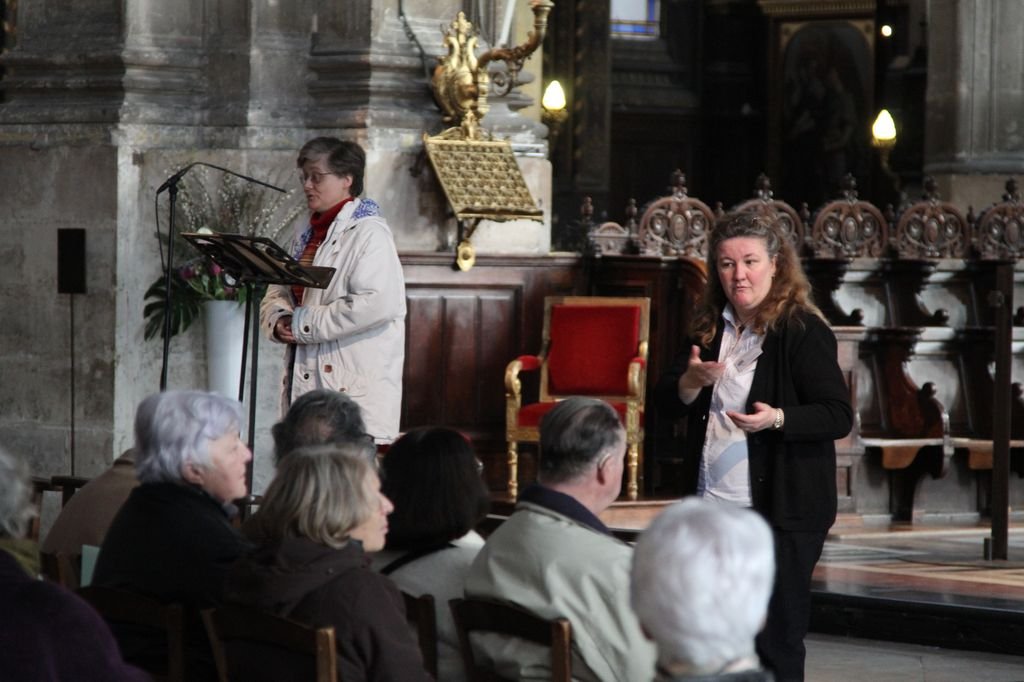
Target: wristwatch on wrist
(779,418)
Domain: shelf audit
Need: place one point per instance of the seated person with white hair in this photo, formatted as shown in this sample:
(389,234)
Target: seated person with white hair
(173,539)
(702,577)
(46,632)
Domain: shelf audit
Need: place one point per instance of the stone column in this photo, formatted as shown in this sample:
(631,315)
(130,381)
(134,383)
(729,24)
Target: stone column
(60,98)
(974,135)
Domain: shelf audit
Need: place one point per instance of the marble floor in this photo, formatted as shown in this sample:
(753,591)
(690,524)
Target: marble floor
(941,564)
(922,585)
(842,659)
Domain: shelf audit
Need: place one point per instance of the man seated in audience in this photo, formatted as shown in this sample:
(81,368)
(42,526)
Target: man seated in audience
(702,577)
(46,632)
(554,557)
(84,520)
(320,417)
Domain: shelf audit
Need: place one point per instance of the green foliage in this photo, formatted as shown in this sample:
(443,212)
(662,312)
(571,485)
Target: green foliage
(231,206)
(185,307)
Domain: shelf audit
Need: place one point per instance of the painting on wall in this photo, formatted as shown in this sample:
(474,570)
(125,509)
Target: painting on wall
(824,107)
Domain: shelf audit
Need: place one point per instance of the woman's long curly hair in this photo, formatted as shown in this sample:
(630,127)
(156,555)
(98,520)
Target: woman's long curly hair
(790,292)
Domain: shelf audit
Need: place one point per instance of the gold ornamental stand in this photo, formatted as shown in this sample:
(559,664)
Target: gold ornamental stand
(481,180)
(479,175)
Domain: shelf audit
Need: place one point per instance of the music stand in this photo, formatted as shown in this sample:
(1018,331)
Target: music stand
(252,261)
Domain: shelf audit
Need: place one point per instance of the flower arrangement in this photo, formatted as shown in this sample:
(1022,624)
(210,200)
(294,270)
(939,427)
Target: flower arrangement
(227,205)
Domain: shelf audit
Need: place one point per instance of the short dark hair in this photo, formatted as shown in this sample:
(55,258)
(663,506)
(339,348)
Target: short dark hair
(320,417)
(433,478)
(573,435)
(343,158)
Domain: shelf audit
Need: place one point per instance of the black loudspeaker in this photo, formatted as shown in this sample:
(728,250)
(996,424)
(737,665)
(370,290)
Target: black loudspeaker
(71,261)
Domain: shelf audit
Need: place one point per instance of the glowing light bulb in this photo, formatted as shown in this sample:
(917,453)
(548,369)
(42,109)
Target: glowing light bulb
(554,97)
(884,128)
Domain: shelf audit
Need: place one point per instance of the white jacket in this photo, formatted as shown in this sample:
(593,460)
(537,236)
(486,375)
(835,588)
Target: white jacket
(350,337)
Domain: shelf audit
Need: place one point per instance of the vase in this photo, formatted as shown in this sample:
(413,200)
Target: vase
(225,330)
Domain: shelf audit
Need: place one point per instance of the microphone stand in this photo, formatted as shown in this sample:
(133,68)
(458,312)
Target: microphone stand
(252,261)
(171,187)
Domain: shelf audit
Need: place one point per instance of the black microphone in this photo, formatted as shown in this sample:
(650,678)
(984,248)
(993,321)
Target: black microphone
(173,180)
(239,175)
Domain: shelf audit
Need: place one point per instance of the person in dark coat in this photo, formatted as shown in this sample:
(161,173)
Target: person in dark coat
(173,538)
(46,633)
(319,517)
(765,400)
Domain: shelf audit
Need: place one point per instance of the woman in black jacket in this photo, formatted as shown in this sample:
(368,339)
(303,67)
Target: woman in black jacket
(173,539)
(764,397)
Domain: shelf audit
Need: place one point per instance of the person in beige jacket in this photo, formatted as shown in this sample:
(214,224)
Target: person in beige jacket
(349,337)
(84,520)
(554,557)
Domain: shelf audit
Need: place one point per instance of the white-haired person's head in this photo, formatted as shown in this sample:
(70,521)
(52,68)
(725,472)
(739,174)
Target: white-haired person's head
(192,438)
(702,577)
(16,510)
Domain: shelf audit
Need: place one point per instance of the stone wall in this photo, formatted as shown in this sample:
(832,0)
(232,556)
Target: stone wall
(102,101)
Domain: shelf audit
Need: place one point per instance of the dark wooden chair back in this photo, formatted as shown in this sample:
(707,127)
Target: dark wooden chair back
(40,486)
(422,614)
(231,625)
(764,203)
(61,568)
(119,606)
(485,615)
(68,485)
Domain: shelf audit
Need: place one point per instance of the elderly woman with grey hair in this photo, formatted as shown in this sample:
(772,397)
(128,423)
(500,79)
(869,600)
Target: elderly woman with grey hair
(173,538)
(46,632)
(702,576)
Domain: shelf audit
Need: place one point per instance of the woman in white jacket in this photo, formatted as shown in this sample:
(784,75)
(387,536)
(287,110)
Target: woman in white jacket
(349,337)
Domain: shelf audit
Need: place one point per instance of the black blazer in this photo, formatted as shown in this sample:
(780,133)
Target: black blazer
(792,471)
(175,543)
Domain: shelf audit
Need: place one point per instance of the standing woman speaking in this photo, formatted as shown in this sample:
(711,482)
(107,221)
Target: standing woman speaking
(349,337)
(765,400)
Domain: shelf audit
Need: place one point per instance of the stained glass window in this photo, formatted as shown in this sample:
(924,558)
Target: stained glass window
(635,19)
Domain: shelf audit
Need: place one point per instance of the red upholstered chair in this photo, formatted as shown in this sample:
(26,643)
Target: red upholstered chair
(592,346)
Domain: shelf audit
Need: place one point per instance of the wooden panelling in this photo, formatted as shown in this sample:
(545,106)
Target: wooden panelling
(463,328)
(672,284)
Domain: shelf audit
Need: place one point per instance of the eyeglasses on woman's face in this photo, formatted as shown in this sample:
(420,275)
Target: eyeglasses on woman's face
(314,177)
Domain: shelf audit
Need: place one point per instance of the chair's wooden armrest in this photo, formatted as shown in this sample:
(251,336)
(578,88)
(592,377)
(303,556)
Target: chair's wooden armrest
(523,363)
(899,453)
(529,363)
(981,444)
(979,451)
(901,442)
(637,370)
